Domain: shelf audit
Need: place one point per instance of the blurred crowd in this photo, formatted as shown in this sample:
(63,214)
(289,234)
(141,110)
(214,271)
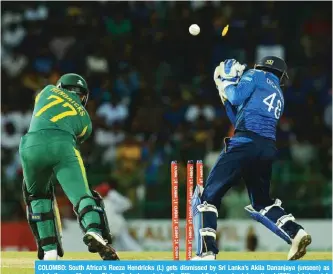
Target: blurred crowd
(153,97)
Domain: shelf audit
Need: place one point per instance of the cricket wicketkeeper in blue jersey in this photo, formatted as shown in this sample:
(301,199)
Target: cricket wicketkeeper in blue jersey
(254,104)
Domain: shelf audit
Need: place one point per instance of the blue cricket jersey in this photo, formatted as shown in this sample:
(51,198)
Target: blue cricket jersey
(256,103)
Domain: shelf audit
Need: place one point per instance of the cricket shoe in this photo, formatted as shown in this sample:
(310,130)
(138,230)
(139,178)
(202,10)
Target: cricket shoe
(94,241)
(209,256)
(299,244)
(51,255)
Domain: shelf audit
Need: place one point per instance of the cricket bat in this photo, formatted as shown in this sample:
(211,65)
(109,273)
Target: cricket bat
(58,218)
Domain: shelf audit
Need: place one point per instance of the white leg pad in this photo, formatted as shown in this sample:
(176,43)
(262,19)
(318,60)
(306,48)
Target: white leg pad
(284,219)
(207,232)
(205,207)
(199,230)
(275,227)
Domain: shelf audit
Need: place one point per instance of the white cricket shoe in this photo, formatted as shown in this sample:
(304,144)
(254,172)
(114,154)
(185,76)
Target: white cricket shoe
(299,244)
(209,256)
(51,255)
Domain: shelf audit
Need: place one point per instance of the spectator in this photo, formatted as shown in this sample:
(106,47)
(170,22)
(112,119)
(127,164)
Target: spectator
(127,82)
(152,97)
(302,151)
(37,13)
(105,136)
(44,62)
(61,43)
(97,63)
(112,111)
(13,35)
(176,114)
(142,122)
(14,63)
(108,139)
(10,137)
(118,25)
(199,108)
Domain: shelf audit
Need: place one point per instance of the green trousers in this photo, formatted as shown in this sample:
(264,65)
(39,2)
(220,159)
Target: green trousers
(53,152)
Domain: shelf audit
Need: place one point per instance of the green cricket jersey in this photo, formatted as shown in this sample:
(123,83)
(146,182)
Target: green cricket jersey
(60,109)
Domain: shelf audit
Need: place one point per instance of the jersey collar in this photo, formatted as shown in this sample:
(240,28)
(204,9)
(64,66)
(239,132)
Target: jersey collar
(274,77)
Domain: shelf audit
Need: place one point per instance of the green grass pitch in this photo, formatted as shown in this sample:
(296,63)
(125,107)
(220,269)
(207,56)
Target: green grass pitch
(23,262)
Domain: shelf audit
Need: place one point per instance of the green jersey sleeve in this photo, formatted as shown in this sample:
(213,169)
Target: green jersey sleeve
(86,132)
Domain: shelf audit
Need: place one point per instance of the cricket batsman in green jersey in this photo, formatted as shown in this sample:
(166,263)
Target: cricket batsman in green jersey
(59,124)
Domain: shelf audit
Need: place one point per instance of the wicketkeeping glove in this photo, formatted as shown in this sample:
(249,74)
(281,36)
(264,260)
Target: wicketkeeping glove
(231,70)
(227,73)
(219,84)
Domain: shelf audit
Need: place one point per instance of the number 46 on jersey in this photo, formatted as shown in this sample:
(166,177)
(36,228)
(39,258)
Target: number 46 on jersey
(270,102)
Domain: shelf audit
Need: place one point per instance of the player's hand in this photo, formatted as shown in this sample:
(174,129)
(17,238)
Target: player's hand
(227,73)
(231,70)
(219,84)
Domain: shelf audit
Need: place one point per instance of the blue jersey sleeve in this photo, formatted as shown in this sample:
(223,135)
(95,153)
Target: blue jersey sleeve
(231,112)
(238,94)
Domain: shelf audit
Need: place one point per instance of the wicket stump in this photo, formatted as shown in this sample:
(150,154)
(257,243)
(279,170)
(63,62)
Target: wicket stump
(175,205)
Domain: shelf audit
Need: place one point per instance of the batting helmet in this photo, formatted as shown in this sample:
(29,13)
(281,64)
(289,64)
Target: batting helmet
(75,83)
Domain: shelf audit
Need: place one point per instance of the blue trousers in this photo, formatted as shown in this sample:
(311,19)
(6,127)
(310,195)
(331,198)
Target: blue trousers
(248,156)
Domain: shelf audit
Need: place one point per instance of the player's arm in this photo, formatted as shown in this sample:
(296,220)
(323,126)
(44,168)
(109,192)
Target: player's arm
(231,112)
(227,77)
(237,94)
(85,134)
